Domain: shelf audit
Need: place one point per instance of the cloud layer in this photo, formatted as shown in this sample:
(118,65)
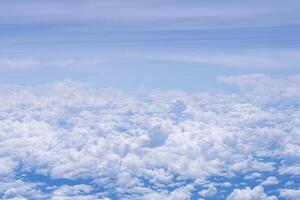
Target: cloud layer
(259,60)
(69,140)
(169,14)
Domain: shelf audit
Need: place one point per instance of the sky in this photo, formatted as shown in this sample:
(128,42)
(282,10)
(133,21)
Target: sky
(160,99)
(159,43)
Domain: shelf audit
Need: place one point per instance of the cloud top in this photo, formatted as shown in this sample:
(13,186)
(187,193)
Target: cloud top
(71,140)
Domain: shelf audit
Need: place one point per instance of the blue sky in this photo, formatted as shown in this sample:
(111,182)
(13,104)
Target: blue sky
(159,99)
(160,44)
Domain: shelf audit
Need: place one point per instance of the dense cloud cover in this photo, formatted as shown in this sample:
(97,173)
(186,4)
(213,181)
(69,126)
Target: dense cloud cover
(69,140)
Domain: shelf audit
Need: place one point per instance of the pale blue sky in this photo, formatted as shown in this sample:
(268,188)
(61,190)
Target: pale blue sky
(160,43)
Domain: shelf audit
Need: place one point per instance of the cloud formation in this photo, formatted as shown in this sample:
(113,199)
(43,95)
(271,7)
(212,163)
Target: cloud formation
(271,59)
(270,181)
(256,193)
(69,140)
(263,60)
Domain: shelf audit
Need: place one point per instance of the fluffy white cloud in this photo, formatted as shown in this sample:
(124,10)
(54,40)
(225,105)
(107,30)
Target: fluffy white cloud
(80,192)
(254,175)
(18,189)
(270,181)
(290,194)
(148,144)
(256,193)
(209,192)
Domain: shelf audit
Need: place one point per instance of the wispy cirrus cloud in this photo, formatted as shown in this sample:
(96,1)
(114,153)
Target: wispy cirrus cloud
(271,59)
(255,60)
(24,64)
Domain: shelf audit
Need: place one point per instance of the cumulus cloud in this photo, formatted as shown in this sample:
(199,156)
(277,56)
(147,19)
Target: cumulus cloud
(209,192)
(270,181)
(256,193)
(71,140)
(74,192)
(254,175)
(290,194)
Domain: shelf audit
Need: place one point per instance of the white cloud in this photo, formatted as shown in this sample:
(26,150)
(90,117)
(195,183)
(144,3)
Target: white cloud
(290,194)
(209,192)
(18,189)
(183,193)
(254,175)
(270,181)
(295,169)
(140,145)
(77,192)
(7,166)
(256,193)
